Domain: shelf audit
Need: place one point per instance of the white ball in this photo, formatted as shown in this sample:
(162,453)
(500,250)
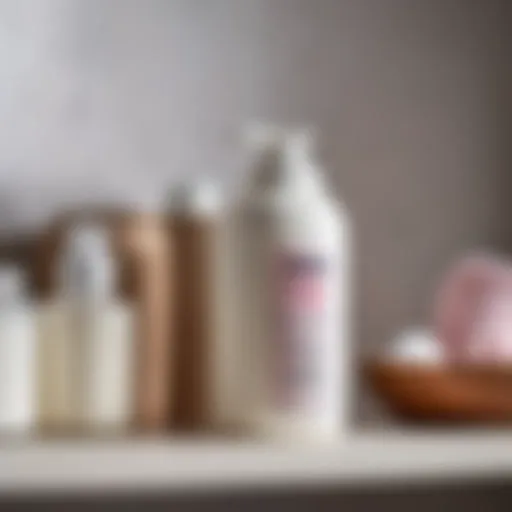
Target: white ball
(417,346)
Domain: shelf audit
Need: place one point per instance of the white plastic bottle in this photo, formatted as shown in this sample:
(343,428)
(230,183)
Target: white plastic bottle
(17,355)
(86,357)
(294,275)
(106,335)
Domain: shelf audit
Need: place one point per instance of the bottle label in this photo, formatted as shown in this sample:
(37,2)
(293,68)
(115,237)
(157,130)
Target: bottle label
(301,319)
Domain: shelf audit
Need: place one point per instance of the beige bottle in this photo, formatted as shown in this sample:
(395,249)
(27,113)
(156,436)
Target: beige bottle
(59,357)
(193,224)
(86,352)
(58,392)
(148,255)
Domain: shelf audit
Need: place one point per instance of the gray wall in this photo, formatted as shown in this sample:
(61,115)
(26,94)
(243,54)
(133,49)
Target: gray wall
(113,99)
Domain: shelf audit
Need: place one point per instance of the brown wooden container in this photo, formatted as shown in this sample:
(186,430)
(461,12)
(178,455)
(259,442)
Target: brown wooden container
(444,394)
(194,330)
(141,247)
(149,258)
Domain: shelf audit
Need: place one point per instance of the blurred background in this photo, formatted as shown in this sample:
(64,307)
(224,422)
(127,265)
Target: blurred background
(112,100)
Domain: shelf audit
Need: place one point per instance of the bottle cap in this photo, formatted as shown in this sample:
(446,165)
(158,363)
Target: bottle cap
(284,158)
(195,198)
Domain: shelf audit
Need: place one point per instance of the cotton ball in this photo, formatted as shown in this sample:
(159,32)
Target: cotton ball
(417,346)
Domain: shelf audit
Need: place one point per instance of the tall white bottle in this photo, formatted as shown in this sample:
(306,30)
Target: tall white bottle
(294,274)
(17,355)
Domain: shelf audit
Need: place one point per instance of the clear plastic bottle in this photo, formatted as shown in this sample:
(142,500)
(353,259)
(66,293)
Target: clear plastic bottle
(295,247)
(18,347)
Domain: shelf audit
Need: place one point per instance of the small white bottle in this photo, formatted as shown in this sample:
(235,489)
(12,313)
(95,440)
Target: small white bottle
(86,354)
(17,355)
(294,280)
(106,335)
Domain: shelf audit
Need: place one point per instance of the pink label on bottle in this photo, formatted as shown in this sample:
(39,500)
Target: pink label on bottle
(300,316)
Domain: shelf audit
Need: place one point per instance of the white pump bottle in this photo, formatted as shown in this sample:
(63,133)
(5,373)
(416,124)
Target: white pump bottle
(295,271)
(105,326)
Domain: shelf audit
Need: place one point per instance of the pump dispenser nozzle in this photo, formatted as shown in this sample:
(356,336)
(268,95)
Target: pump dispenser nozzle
(88,269)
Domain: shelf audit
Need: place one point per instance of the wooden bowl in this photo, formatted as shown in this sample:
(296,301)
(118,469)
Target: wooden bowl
(444,394)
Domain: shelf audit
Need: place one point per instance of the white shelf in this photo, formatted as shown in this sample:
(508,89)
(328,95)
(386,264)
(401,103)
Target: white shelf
(143,465)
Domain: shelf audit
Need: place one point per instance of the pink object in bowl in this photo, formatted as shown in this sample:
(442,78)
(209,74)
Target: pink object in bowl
(473,311)
(490,340)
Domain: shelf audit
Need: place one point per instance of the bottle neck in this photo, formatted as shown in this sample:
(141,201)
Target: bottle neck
(88,269)
(285,164)
(89,280)
(12,287)
(198,199)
